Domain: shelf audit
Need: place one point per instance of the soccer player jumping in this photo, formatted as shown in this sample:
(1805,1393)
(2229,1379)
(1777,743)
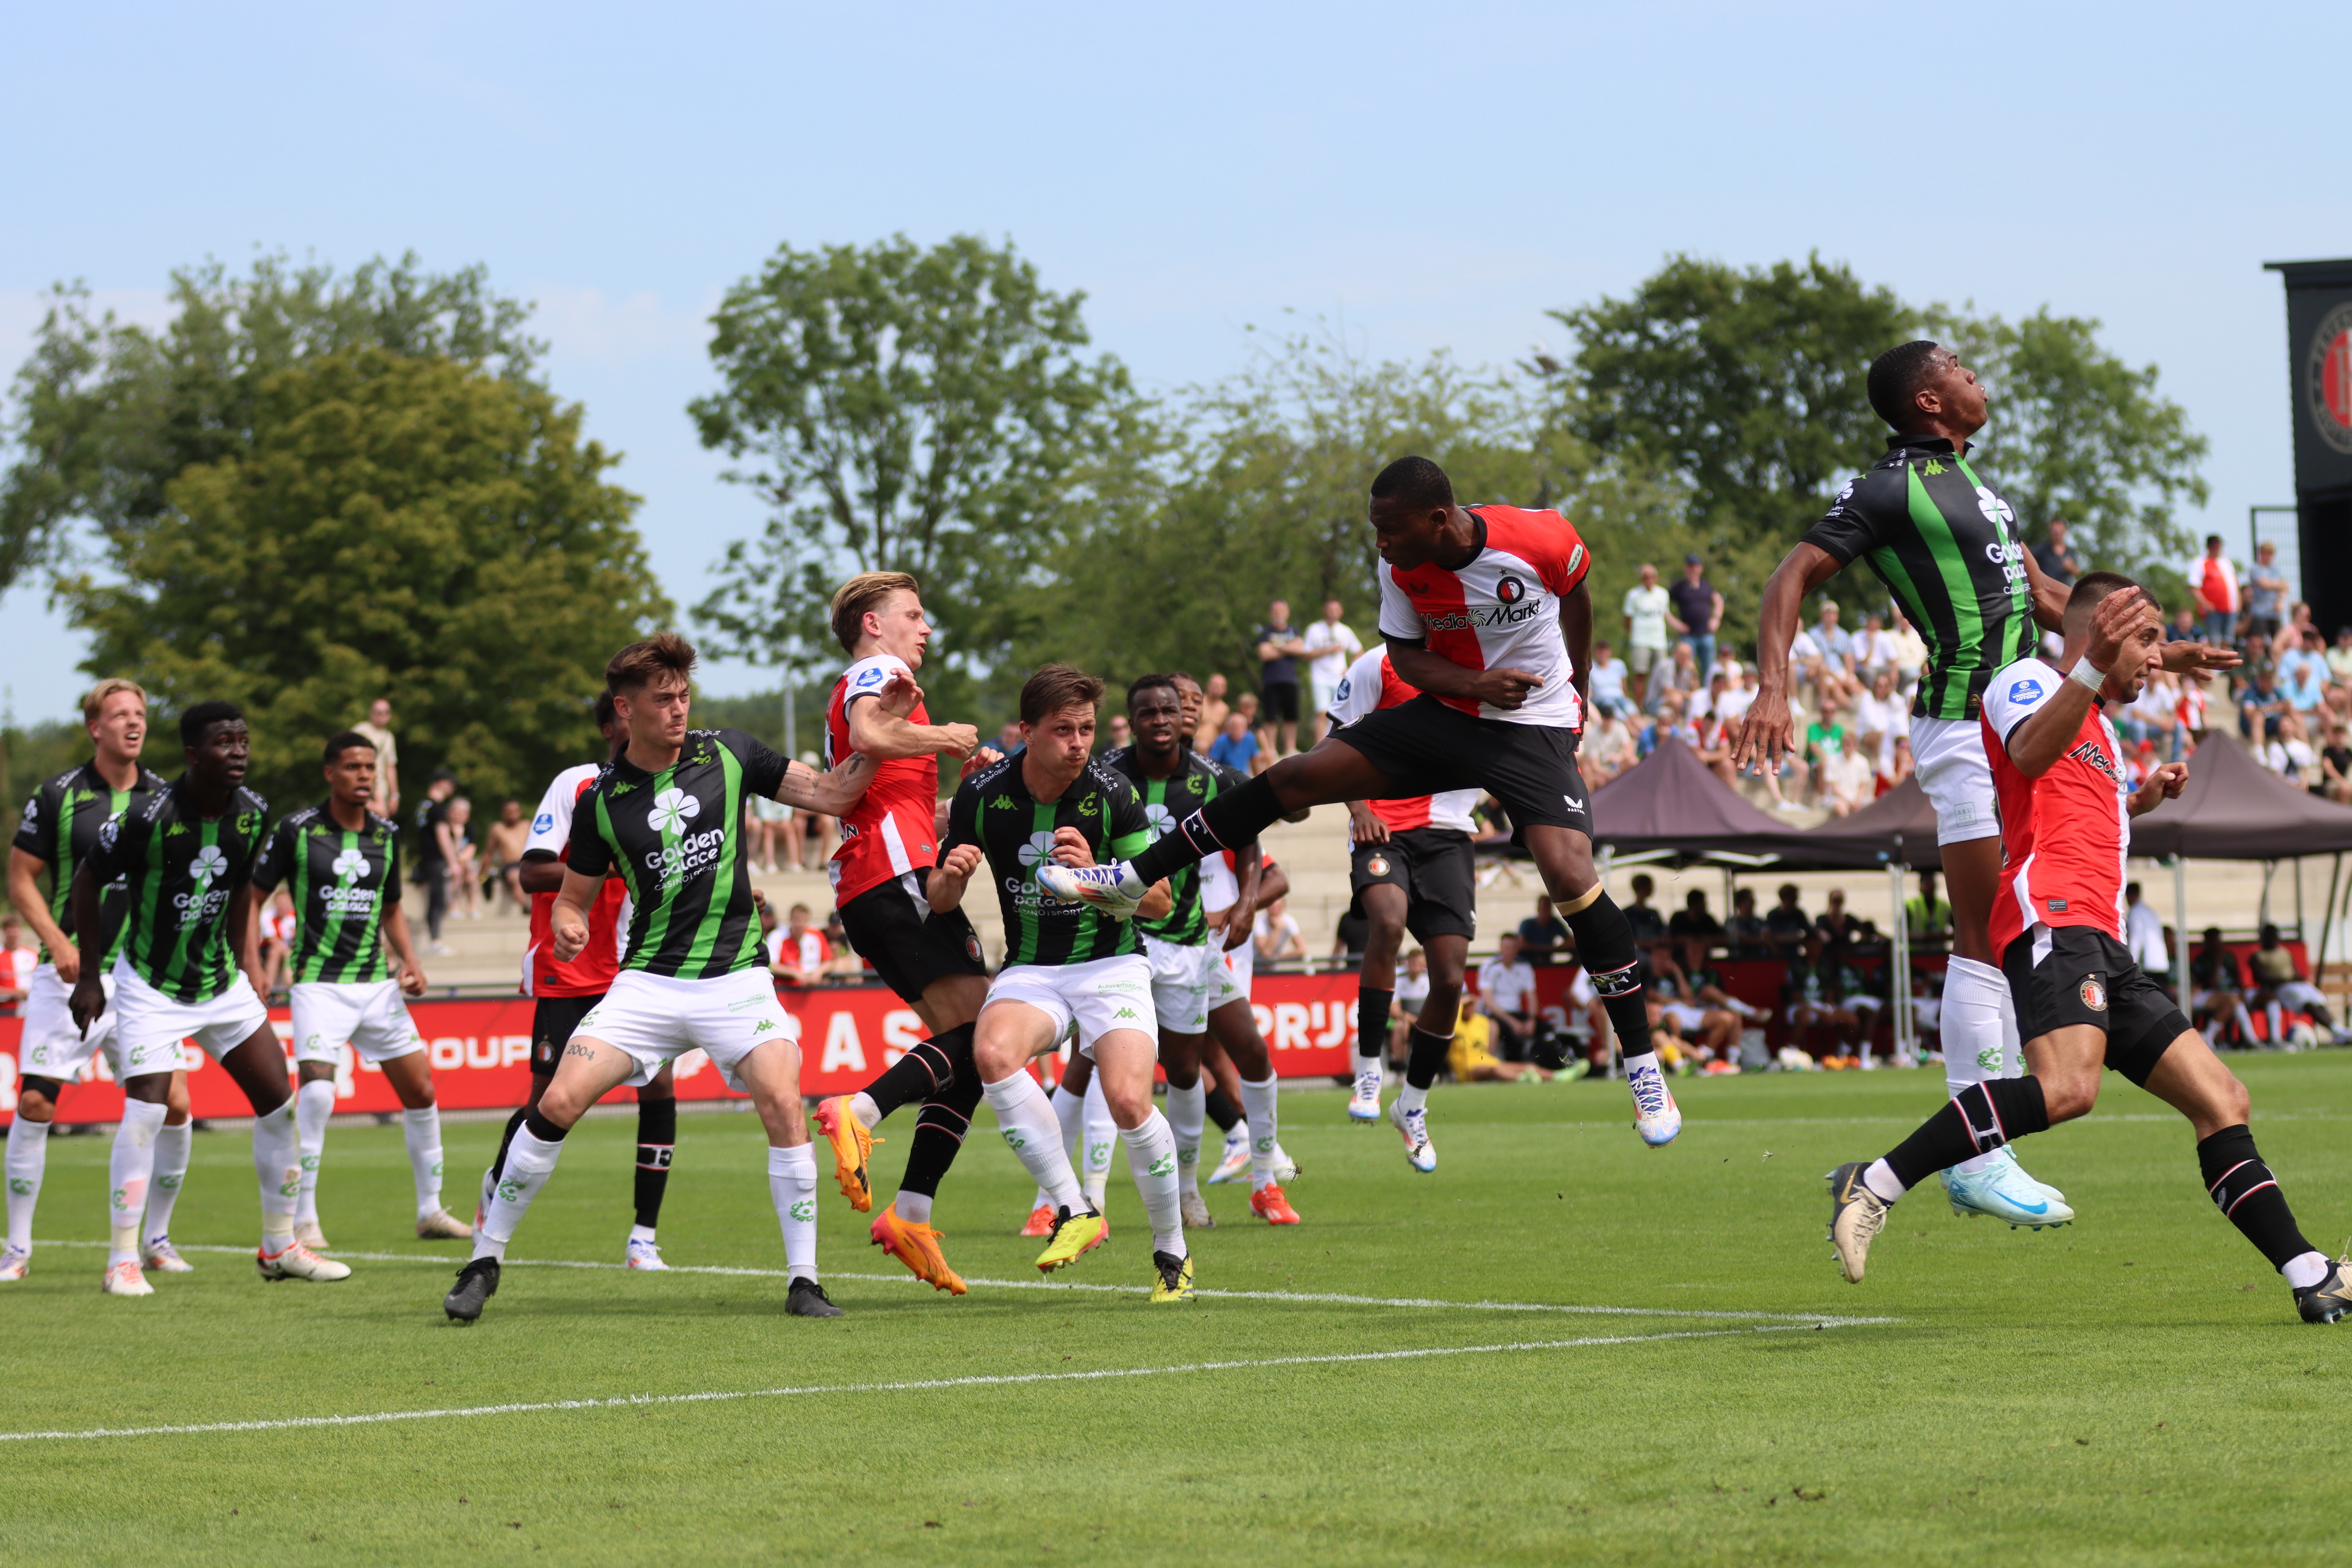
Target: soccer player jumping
(1485,609)
(2057,925)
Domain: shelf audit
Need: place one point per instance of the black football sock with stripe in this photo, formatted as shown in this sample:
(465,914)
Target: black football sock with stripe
(926,1070)
(1604,942)
(1977,1121)
(2246,1193)
(505,1139)
(1222,1110)
(1428,1057)
(657,1140)
(1372,1022)
(1228,822)
(939,1128)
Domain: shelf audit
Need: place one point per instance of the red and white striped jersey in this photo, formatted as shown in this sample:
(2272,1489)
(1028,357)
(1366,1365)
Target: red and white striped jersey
(590,973)
(1371,684)
(1500,610)
(888,832)
(2064,835)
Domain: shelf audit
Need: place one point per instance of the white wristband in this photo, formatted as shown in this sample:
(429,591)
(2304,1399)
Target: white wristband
(2088,676)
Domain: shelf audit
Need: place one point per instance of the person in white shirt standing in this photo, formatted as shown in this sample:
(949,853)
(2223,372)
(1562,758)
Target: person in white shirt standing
(1507,985)
(1331,646)
(2143,936)
(1645,633)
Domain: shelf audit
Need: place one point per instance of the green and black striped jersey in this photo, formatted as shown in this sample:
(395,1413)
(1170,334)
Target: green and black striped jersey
(675,837)
(1167,802)
(1946,547)
(60,826)
(1015,830)
(344,884)
(180,871)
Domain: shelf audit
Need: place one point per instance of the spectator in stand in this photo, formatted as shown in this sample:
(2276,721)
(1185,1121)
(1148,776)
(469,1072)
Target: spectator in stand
(1900,766)
(1682,676)
(1808,666)
(1732,702)
(1838,928)
(1609,748)
(1472,1058)
(2279,983)
(2189,714)
(771,830)
(1330,647)
(1354,930)
(1506,989)
(1213,709)
(2260,704)
(798,953)
(1695,921)
(1275,931)
(2143,938)
(2339,657)
(2215,584)
(2288,752)
(1493,825)
(1786,922)
(2303,667)
(2184,628)
(2217,993)
(2290,636)
(2057,558)
(1237,748)
(1608,681)
(465,860)
(1844,776)
(1881,717)
(2335,781)
(378,731)
(1714,747)
(1837,650)
(2153,715)
(1279,649)
(1873,648)
(1543,934)
(1910,654)
(1928,918)
(1649,926)
(1644,611)
(502,853)
(1405,1003)
(1695,611)
(432,871)
(278,931)
(846,962)
(1116,733)
(1702,1033)
(1812,1004)
(1750,937)
(18,960)
(1672,720)
(2265,594)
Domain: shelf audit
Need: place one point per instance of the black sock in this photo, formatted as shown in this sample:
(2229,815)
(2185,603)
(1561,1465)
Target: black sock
(1604,942)
(543,1130)
(2246,1193)
(1977,1121)
(1228,822)
(939,1128)
(1428,1057)
(926,1070)
(506,1142)
(657,1139)
(1373,1021)
(1222,1110)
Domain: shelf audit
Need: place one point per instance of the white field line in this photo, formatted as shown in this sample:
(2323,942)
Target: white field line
(1313,1297)
(630,1400)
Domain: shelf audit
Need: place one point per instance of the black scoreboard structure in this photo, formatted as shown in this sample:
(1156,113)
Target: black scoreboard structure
(2319,371)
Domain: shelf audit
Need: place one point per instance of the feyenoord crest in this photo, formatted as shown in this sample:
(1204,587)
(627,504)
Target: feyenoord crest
(1378,865)
(2093,993)
(972,945)
(1510,589)
(2327,378)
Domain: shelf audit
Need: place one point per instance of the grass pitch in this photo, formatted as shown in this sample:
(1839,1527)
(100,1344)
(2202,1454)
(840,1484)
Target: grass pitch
(2134,1388)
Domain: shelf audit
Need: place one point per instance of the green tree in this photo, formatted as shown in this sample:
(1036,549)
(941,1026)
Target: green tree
(416,526)
(2079,434)
(902,408)
(106,416)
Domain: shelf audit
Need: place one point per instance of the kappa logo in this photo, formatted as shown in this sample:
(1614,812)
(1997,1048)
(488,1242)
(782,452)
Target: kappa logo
(350,866)
(1128,1013)
(1935,466)
(763,1025)
(2093,993)
(209,863)
(673,809)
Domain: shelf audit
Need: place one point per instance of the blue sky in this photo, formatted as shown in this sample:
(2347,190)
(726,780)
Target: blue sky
(1435,176)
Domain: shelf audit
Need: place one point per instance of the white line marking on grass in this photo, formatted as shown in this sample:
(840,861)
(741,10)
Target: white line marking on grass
(1324,1298)
(628,1401)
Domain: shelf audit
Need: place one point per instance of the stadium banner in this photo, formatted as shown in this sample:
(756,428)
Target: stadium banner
(481,1049)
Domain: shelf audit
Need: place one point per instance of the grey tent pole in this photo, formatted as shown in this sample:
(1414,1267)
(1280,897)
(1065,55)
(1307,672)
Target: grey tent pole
(2181,921)
(1898,958)
(2327,923)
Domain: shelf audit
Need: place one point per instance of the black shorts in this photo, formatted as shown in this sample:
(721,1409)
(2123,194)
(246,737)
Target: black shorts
(2083,975)
(891,927)
(1437,872)
(1427,748)
(1277,702)
(551,1022)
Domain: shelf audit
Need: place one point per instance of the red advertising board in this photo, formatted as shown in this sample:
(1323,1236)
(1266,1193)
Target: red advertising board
(481,1049)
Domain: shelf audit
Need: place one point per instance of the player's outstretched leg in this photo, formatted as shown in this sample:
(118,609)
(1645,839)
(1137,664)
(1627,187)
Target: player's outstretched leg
(904,1229)
(1978,1025)
(173,1144)
(314,1105)
(656,1146)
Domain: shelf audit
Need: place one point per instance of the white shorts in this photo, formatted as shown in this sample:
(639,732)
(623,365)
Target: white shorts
(656,1018)
(150,1026)
(51,1047)
(1686,1018)
(1325,695)
(1180,983)
(1098,998)
(1229,977)
(369,1016)
(1948,755)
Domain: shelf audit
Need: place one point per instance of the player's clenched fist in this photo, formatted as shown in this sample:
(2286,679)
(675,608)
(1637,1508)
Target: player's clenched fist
(962,861)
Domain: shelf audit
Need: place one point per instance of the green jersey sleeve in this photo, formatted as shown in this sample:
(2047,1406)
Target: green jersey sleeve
(120,842)
(1129,830)
(963,819)
(277,862)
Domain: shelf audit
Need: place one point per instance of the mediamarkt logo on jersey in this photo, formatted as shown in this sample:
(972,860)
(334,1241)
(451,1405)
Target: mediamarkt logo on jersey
(1496,615)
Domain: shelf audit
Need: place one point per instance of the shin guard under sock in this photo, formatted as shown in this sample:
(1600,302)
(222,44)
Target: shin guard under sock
(1228,822)
(2248,1196)
(925,1071)
(420,1130)
(505,1139)
(28,1156)
(1151,1161)
(171,1171)
(1978,1120)
(1427,1058)
(1187,1115)
(314,1103)
(530,1160)
(657,1143)
(130,1166)
(1031,1131)
(939,1128)
(1220,1107)
(1372,1027)
(791,1185)
(1604,944)
(277,1167)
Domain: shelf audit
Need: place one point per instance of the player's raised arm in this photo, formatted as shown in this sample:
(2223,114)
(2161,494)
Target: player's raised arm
(2115,624)
(886,735)
(1766,733)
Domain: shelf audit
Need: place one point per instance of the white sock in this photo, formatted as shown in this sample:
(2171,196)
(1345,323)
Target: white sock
(313,1103)
(2304,1272)
(170,1169)
(868,1114)
(1257,1104)
(28,1156)
(1368,1065)
(277,1166)
(1151,1160)
(422,1129)
(1880,1178)
(1188,1116)
(915,1208)
(1070,1110)
(1979,1028)
(530,1160)
(1410,1100)
(1099,1132)
(791,1183)
(128,1172)
(641,1233)
(1034,1137)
